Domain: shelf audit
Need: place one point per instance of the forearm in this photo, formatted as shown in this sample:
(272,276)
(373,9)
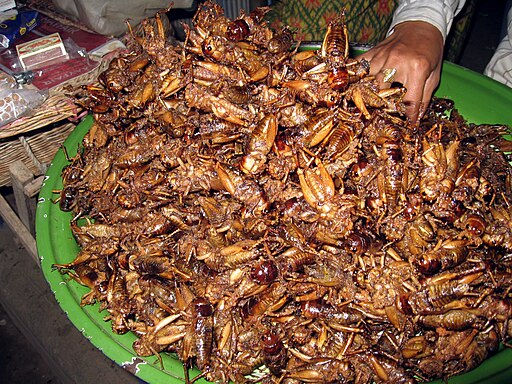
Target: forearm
(439,13)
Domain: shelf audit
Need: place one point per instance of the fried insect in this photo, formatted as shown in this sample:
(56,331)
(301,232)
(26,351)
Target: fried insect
(270,215)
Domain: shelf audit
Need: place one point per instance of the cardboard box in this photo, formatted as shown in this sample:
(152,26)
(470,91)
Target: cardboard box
(7,4)
(42,52)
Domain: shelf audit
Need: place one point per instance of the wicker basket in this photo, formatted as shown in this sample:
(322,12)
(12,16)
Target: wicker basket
(35,149)
(71,86)
(56,108)
(36,137)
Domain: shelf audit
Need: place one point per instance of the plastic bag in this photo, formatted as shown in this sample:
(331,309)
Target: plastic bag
(14,102)
(13,64)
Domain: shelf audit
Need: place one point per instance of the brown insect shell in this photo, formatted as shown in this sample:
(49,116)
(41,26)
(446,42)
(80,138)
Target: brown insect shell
(265,272)
(362,168)
(318,126)
(454,320)
(428,264)
(358,243)
(335,43)
(68,198)
(272,343)
(474,224)
(402,303)
(422,227)
(414,346)
(211,48)
(312,309)
(202,307)
(237,30)
(338,78)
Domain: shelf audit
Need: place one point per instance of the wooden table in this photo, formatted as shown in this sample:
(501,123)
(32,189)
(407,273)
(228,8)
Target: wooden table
(21,221)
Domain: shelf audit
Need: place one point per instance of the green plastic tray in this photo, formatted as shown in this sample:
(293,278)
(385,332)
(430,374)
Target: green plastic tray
(479,99)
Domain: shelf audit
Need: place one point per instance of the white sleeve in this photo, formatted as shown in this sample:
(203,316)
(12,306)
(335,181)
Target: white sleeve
(500,66)
(439,13)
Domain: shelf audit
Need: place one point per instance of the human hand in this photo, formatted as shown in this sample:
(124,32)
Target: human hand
(415,50)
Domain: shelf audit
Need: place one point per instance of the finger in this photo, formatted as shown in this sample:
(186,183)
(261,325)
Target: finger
(415,97)
(413,102)
(414,110)
(430,87)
